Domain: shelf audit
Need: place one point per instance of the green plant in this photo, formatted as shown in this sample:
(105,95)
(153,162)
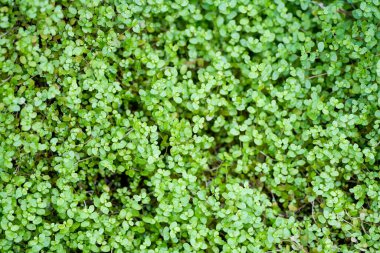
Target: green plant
(189,126)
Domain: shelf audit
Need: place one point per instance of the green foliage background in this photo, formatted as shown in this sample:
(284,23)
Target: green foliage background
(189,126)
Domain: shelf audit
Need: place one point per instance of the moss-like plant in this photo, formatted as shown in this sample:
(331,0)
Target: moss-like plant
(189,126)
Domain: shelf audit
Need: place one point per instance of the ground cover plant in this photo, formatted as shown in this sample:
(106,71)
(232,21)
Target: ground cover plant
(189,126)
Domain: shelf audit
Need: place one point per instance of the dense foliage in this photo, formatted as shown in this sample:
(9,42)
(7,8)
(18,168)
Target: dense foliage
(189,126)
